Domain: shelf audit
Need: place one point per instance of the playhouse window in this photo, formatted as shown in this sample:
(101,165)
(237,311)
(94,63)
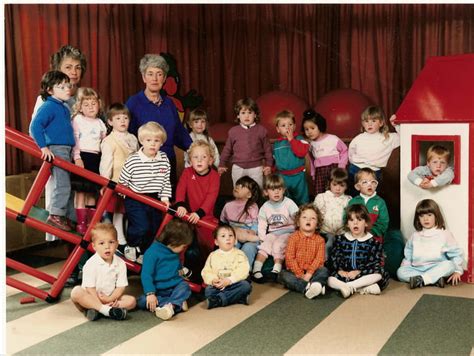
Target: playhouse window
(421,143)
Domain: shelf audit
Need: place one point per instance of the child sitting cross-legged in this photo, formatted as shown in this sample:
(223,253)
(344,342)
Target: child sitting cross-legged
(356,261)
(104,278)
(165,290)
(304,256)
(225,271)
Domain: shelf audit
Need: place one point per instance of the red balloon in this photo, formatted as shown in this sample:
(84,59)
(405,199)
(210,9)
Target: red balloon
(275,101)
(342,109)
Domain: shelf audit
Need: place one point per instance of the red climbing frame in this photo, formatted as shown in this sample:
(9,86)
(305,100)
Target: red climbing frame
(26,144)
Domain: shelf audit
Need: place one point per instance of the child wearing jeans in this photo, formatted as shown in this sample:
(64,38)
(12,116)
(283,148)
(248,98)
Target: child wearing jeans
(304,255)
(275,224)
(226,271)
(147,172)
(247,145)
(165,290)
(356,261)
(436,173)
(104,278)
(52,131)
(432,254)
(289,152)
(331,204)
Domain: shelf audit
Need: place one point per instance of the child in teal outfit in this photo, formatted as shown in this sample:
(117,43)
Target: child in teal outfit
(289,153)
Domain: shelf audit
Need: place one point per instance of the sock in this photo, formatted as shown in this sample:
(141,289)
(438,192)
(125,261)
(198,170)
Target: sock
(104,310)
(276,268)
(118,223)
(257,266)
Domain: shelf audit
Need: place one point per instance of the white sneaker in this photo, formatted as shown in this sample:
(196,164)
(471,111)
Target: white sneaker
(184,306)
(131,253)
(165,312)
(346,291)
(313,290)
(372,289)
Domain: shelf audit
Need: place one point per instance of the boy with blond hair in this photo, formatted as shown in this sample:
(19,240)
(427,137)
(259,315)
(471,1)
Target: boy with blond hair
(436,173)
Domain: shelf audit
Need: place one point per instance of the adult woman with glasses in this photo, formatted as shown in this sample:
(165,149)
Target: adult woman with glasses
(150,105)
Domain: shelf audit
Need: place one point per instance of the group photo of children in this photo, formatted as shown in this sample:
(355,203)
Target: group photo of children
(249,198)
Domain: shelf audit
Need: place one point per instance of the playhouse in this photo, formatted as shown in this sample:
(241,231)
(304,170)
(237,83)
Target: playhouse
(439,109)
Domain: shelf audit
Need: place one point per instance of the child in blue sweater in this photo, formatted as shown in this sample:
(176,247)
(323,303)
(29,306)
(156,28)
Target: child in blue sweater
(165,290)
(52,131)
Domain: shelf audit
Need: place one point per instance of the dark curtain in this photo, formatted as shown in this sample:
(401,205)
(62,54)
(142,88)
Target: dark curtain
(227,52)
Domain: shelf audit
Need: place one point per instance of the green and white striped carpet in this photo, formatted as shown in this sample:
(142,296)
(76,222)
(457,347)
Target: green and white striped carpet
(429,320)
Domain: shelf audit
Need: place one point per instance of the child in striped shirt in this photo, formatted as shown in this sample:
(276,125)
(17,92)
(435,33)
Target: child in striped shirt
(147,172)
(304,256)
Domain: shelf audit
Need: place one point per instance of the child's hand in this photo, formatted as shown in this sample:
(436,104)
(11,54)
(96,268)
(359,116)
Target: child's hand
(392,119)
(193,218)
(267,170)
(102,190)
(290,133)
(455,278)
(215,281)
(221,170)
(307,276)
(46,154)
(181,211)
(353,274)
(151,302)
(78,162)
(104,298)
(222,283)
(426,184)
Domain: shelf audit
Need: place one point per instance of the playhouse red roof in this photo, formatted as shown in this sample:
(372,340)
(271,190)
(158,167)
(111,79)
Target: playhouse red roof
(443,91)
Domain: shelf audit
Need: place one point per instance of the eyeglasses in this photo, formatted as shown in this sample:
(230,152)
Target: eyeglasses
(365,183)
(64,86)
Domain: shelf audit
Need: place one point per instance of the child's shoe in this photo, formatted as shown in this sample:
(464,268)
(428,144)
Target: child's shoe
(185,272)
(440,283)
(59,222)
(184,306)
(81,226)
(313,290)
(372,289)
(131,253)
(213,302)
(245,300)
(257,277)
(118,313)
(92,314)
(165,312)
(346,291)
(416,282)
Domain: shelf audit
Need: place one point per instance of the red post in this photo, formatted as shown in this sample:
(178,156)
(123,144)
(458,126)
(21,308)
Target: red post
(37,187)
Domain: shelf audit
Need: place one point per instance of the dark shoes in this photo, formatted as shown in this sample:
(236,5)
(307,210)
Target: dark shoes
(245,300)
(58,221)
(440,283)
(416,282)
(257,277)
(118,313)
(213,302)
(92,314)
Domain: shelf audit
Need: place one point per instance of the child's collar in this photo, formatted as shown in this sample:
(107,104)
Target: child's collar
(350,237)
(367,197)
(145,158)
(249,126)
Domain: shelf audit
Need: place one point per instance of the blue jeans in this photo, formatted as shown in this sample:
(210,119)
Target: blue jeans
(250,250)
(290,281)
(430,273)
(61,200)
(176,295)
(143,223)
(232,294)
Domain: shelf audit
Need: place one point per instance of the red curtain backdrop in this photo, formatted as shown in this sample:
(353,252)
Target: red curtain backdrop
(227,52)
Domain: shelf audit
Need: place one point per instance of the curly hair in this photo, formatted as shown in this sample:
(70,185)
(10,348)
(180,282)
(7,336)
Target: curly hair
(68,51)
(305,207)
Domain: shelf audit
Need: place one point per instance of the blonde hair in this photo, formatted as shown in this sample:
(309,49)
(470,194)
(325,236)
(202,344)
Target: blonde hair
(201,143)
(438,150)
(86,94)
(152,128)
(375,113)
(103,228)
(195,115)
(284,114)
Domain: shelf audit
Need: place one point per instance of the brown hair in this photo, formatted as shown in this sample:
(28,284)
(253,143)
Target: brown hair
(176,233)
(195,115)
(365,170)
(220,227)
(338,176)
(284,114)
(103,228)
(360,212)
(273,181)
(68,51)
(439,151)
(375,113)
(428,206)
(247,103)
(308,206)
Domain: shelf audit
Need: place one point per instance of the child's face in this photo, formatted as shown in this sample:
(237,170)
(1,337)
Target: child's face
(427,220)
(241,193)
(367,184)
(90,108)
(105,245)
(246,116)
(437,164)
(61,91)
(225,239)
(119,122)
(356,225)
(151,145)
(198,126)
(308,221)
(285,127)
(275,195)
(201,159)
(72,68)
(337,189)
(372,125)
(177,249)
(311,130)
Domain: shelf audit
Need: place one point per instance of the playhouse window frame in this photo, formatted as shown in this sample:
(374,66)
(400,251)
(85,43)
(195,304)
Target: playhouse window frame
(456,154)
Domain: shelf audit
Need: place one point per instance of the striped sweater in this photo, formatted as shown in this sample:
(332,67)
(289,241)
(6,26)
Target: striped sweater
(143,174)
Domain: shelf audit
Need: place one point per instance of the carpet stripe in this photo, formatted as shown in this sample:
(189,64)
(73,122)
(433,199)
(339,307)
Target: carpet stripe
(190,331)
(276,328)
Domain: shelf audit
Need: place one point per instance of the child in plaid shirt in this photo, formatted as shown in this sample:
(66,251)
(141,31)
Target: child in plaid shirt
(305,255)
